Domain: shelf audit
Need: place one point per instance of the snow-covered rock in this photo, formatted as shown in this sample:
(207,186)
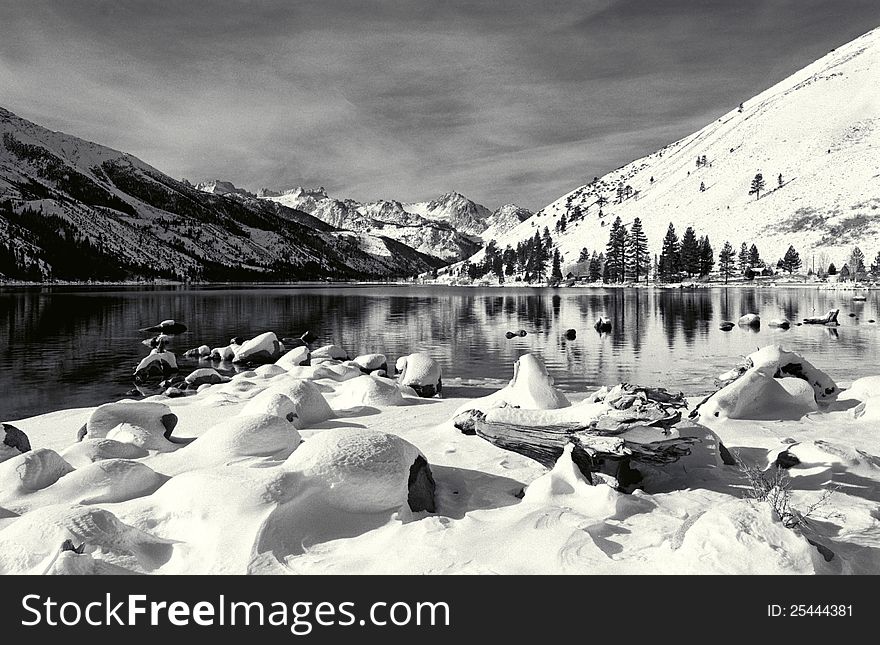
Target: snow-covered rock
(253,435)
(369,390)
(264,348)
(155,366)
(294,358)
(154,418)
(333,352)
(31,471)
(359,470)
(371,362)
(140,437)
(420,372)
(749,320)
(88,451)
(203,375)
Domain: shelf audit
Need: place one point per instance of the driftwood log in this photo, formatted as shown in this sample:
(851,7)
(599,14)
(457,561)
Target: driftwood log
(828,319)
(637,428)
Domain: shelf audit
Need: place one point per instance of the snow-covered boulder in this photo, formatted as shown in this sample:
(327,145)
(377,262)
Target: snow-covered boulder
(332,352)
(309,403)
(531,388)
(334,372)
(31,543)
(226,353)
(152,417)
(273,403)
(364,471)
(253,435)
(369,390)
(264,348)
(88,451)
(420,372)
(371,362)
(269,370)
(140,437)
(749,320)
(14,442)
(203,375)
(105,482)
(294,358)
(867,392)
(780,323)
(31,471)
(778,362)
(155,366)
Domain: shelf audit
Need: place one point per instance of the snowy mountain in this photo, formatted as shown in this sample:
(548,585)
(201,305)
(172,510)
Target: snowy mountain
(457,210)
(74,209)
(504,220)
(814,137)
(433,236)
(218,187)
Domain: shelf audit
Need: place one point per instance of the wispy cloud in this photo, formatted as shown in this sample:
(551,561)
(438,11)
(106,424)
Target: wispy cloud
(503,101)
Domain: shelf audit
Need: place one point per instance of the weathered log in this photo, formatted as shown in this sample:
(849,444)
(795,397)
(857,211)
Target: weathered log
(828,319)
(595,451)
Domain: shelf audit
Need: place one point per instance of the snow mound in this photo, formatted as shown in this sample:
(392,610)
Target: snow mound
(371,362)
(31,471)
(357,470)
(88,451)
(333,352)
(154,418)
(140,437)
(202,376)
(253,435)
(368,390)
(294,358)
(31,543)
(777,384)
(531,388)
(742,537)
(103,482)
(334,372)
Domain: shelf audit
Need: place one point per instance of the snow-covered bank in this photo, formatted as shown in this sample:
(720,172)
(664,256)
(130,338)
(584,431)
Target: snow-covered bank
(227,485)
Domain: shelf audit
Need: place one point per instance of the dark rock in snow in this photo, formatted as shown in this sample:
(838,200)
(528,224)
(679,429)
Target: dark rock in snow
(786,460)
(15,438)
(421,487)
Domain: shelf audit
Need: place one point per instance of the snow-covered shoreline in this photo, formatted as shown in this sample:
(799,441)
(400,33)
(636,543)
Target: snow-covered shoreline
(232,489)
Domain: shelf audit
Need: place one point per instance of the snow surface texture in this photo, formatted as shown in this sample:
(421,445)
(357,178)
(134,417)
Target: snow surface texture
(819,129)
(244,489)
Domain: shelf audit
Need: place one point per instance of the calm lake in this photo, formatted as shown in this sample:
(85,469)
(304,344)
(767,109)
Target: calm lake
(74,347)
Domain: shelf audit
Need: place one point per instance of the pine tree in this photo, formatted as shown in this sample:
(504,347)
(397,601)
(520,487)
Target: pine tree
(563,223)
(832,270)
(596,262)
(707,256)
(556,271)
(726,260)
(637,251)
(584,256)
(668,264)
(875,266)
(702,187)
(690,253)
(615,252)
(791,262)
(857,262)
(743,258)
(757,186)
(754,257)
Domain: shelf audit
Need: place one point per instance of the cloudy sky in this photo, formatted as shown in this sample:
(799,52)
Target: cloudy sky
(504,101)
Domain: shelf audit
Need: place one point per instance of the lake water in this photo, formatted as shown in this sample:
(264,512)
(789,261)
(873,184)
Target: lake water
(73,347)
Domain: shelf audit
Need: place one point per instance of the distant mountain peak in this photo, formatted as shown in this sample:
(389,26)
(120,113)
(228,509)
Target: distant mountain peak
(220,187)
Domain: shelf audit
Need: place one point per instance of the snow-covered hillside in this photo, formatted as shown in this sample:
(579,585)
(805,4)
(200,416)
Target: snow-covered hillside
(73,209)
(815,138)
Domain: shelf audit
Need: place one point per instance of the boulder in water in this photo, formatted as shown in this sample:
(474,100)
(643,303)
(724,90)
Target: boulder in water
(780,323)
(570,334)
(332,352)
(294,358)
(726,325)
(368,363)
(603,324)
(167,327)
(749,320)
(203,375)
(264,348)
(155,366)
